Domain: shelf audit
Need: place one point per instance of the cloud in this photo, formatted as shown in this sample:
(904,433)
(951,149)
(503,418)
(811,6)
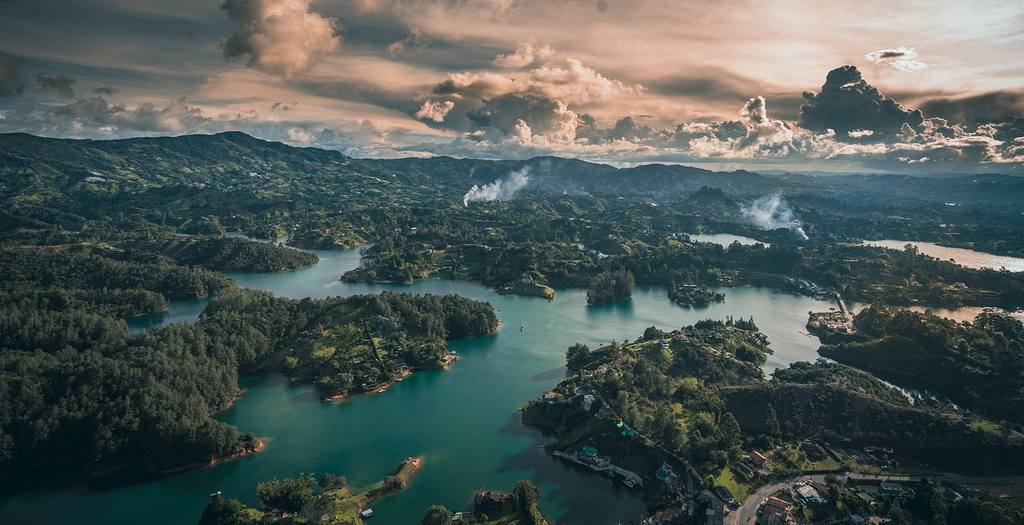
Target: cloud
(281,37)
(524,55)
(10,80)
(105,90)
(523,117)
(901,58)
(847,103)
(573,83)
(60,84)
(98,117)
(435,110)
(499,190)
(415,40)
(997,106)
(763,136)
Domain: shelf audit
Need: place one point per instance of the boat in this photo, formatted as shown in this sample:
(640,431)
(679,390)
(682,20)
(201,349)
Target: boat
(215,494)
(366,513)
(628,482)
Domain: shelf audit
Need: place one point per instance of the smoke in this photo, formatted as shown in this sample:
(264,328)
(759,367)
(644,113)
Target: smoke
(499,190)
(771,212)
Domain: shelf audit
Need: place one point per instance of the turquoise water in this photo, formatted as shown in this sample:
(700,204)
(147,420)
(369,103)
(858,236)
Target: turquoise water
(464,422)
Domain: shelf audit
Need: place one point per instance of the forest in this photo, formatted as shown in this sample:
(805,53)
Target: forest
(979,364)
(79,390)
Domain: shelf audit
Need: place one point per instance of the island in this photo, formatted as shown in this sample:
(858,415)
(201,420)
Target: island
(294,501)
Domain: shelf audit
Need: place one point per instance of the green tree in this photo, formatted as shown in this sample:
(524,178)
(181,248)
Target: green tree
(772,422)
(224,511)
(437,515)
(576,355)
(288,495)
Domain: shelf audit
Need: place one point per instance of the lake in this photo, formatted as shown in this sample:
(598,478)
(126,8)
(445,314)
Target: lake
(464,422)
(961,256)
(724,239)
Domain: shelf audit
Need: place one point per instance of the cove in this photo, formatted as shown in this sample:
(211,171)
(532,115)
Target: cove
(464,422)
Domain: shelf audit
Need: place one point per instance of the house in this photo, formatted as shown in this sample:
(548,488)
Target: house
(775,511)
(668,516)
(492,503)
(757,459)
(551,397)
(588,402)
(724,494)
(366,513)
(814,451)
(890,489)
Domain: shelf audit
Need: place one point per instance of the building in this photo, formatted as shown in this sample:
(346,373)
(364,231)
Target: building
(551,397)
(758,459)
(588,401)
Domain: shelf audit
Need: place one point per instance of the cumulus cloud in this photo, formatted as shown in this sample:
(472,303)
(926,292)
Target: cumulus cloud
(523,117)
(281,37)
(60,84)
(526,53)
(763,136)
(573,83)
(499,190)
(847,103)
(901,58)
(10,80)
(435,110)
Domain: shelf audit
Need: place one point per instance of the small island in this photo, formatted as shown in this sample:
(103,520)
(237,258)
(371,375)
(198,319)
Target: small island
(294,501)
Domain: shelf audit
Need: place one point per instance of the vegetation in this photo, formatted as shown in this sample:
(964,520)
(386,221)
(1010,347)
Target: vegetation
(697,395)
(294,500)
(979,364)
(693,295)
(79,390)
(610,287)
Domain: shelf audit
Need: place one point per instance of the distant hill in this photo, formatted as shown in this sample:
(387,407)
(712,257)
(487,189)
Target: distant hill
(234,161)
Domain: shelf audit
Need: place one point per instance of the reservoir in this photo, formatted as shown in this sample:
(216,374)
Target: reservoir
(464,422)
(966,258)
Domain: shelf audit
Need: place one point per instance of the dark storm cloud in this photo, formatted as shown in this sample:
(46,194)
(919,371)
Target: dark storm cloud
(846,103)
(10,81)
(998,106)
(62,85)
(105,90)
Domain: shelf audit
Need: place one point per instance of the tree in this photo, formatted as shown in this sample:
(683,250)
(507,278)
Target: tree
(224,511)
(772,422)
(576,355)
(288,495)
(437,515)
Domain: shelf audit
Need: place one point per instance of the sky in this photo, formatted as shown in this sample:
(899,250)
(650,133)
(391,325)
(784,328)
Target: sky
(858,86)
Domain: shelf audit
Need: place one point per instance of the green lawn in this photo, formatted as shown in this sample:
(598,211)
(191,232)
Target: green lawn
(740,489)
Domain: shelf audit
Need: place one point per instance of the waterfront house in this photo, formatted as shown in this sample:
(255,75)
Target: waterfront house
(551,397)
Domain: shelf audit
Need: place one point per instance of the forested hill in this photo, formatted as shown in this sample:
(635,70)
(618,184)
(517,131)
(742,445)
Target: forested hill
(235,162)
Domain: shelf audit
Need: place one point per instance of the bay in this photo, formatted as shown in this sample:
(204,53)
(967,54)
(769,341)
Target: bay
(464,422)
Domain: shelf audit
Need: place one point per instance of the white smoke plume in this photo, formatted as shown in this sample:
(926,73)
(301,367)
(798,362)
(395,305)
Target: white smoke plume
(771,212)
(499,190)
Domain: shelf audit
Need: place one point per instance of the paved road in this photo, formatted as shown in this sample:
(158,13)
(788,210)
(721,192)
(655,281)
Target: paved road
(747,513)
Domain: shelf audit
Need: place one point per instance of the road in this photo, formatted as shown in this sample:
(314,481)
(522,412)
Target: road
(747,513)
